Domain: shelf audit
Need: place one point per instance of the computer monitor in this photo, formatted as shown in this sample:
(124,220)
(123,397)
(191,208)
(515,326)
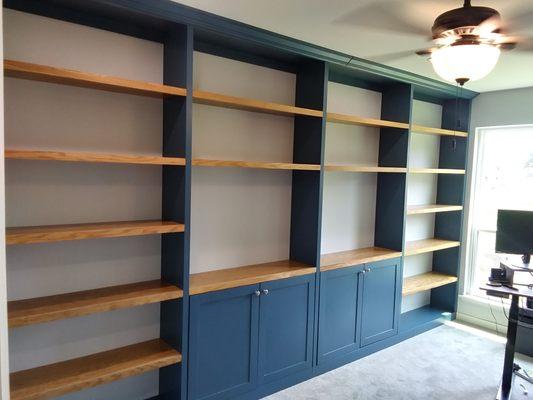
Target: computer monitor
(514,233)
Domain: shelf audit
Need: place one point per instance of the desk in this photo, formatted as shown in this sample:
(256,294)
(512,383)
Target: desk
(507,377)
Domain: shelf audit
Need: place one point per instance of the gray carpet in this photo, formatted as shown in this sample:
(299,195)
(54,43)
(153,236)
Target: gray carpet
(444,363)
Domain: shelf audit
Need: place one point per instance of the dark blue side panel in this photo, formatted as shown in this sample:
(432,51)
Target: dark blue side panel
(286,327)
(380,301)
(223,343)
(338,330)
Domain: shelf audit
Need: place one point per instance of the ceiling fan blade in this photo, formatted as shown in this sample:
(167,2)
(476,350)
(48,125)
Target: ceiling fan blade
(386,58)
(520,20)
(519,43)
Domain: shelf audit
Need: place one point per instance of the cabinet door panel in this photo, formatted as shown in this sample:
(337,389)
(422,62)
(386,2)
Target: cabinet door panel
(223,343)
(380,301)
(338,331)
(286,327)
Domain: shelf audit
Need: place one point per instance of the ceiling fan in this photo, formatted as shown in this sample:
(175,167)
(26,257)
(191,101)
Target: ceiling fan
(467,41)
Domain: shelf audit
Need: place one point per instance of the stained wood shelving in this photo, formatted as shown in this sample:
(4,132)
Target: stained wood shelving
(428,245)
(51,308)
(355,120)
(55,233)
(91,157)
(423,282)
(93,370)
(241,103)
(43,73)
(436,171)
(437,131)
(255,164)
(246,275)
(431,208)
(362,168)
(349,258)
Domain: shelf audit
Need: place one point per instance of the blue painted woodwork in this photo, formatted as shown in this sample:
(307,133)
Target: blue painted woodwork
(286,316)
(380,301)
(338,327)
(223,342)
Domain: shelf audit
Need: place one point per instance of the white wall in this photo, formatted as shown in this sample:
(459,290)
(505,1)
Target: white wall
(48,116)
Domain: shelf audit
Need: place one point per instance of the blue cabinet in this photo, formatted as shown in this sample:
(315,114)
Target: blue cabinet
(243,337)
(380,300)
(338,329)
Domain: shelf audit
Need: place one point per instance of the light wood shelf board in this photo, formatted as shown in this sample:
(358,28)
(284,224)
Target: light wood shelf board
(43,73)
(355,120)
(362,168)
(350,258)
(75,156)
(51,308)
(55,233)
(240,103)
(436,171)
(427,281)
(437,131)
(255,164)
(246,275)
(431,208)
(428,245)
(84,372)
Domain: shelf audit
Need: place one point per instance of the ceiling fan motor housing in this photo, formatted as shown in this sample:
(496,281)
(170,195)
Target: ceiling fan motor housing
(464,17)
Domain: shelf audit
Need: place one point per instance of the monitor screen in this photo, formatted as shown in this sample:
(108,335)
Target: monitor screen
(514,232)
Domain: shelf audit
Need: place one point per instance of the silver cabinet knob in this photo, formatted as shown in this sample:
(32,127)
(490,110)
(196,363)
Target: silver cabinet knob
(265,291)
(257,293)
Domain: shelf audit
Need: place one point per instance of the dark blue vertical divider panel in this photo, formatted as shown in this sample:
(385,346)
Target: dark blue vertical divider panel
(223,341)
(286,327)
(391,188)
(380,301)
(339,313)
(453,153)
(176,205)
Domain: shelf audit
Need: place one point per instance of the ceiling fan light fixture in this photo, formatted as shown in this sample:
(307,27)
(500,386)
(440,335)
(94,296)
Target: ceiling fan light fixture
(465,62)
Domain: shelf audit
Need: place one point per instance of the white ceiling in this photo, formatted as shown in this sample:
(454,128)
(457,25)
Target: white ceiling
(335,24)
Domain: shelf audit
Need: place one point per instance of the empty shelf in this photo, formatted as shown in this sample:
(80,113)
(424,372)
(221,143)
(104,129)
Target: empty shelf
(349,258)
(255,164)
(247,275)
(55,233)
(354,120)
(92,157)
(428,245)
(51,308)
(431,208)
(43,73)
(240,103)
(436,171)
(415,320)
(363,168)
(437,131)
(422,282)
(93,370)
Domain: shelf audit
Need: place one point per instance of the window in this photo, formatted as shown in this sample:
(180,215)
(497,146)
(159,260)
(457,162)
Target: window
(503,178)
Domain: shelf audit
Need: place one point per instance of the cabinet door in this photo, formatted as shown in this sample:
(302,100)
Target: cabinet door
(380,301)
(286,320)
(338,331)
(223,343)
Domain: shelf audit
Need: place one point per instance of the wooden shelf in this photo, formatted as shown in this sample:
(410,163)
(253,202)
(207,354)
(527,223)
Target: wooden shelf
(43,73)
(427,281)
(362,168)
(247,275)
(91,157)
(55,233)
(255,164)
(51,308)
(437,131)
(355,257)
(428,245)
(431,208)
(436,171)
(80,373)
(354,120)
(240,103)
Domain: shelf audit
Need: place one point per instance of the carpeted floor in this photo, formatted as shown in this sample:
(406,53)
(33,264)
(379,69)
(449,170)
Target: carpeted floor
(449,362)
